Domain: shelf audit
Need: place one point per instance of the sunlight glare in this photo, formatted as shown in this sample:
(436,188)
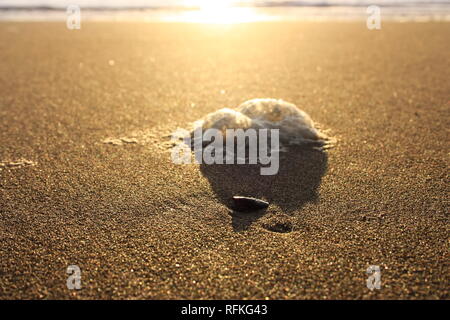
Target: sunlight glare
(217,12)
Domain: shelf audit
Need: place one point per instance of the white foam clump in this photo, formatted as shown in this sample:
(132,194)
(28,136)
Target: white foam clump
(295,126)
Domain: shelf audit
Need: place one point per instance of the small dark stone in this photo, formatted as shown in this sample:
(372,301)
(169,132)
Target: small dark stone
(247,204)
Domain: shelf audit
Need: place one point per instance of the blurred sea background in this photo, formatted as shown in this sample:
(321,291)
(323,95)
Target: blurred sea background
(224,11)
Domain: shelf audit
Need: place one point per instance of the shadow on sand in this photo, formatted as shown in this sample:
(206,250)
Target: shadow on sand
(299,176)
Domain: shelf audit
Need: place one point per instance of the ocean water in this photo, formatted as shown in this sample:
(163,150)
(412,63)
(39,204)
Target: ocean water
(225,11)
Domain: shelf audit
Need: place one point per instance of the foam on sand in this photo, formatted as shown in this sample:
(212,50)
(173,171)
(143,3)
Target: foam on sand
(16,164)
(295,126)
(119,141)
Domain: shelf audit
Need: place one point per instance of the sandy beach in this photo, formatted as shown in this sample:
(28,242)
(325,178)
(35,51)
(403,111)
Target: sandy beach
(141,227)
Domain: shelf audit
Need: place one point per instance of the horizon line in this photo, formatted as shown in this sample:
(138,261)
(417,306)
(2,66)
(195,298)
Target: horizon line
(267,4)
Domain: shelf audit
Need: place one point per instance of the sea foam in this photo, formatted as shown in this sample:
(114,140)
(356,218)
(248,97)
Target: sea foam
(295,126)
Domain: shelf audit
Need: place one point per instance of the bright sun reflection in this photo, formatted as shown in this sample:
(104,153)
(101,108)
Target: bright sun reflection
(217,11)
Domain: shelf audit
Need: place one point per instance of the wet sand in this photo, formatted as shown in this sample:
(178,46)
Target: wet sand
(142,227)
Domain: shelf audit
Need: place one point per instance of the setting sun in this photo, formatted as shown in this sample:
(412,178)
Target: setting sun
(209,4)
(217,12)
